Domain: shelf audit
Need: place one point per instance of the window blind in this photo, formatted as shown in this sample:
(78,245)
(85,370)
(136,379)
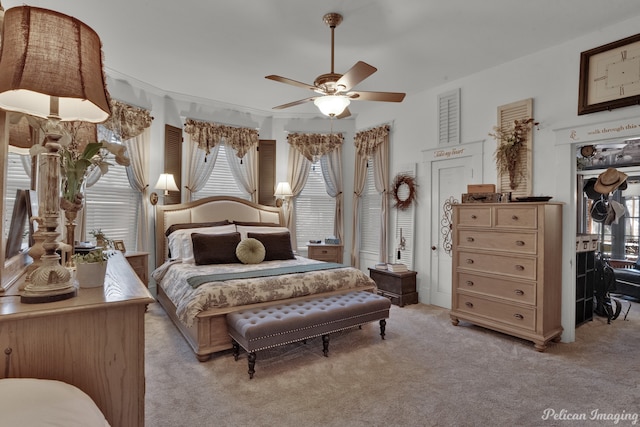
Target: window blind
(17,179)
(370,212)
(221,181)
(315,210)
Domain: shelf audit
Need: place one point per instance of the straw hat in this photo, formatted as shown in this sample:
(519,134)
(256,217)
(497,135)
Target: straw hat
(609,180)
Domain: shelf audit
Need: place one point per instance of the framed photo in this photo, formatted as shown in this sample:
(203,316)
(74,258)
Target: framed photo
(610,76)
(119,245)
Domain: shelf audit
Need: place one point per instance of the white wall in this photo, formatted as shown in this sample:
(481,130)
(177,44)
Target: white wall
(549,77)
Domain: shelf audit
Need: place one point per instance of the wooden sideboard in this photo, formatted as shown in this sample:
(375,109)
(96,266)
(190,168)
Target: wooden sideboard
(94,341)
(507,263)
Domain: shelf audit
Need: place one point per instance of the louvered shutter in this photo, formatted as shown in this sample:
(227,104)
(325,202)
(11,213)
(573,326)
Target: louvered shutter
(405,225)
(506,115)
(449,118)
(173,161)
(370,213)
(267,172)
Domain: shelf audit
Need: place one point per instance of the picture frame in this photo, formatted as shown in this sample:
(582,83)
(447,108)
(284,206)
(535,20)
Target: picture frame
(119,245)
(610,76)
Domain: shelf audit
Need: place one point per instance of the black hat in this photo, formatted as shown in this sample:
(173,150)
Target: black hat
(599,210)
(590,191)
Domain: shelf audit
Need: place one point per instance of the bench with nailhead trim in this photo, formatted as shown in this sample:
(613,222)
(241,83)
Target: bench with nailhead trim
(275,325)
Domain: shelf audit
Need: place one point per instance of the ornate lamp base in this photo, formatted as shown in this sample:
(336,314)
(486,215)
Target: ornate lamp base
(35,298)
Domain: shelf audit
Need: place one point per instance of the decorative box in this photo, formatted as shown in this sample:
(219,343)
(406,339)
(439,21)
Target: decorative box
(481,198)
(329,241)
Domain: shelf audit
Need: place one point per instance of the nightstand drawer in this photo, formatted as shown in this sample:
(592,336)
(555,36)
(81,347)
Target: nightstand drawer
(325,252)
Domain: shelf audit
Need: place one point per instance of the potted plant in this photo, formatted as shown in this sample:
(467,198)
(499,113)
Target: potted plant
(101,239)
(91,268)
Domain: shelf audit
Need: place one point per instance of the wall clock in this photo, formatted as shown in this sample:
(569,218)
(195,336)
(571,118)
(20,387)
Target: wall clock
(610,76)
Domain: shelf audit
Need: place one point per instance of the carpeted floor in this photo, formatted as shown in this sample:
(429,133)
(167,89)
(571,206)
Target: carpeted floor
(426,372)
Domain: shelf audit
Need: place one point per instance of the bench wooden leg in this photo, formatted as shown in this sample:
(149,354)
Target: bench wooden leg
(252,363)
(325,345)
(236,350)
(383,325)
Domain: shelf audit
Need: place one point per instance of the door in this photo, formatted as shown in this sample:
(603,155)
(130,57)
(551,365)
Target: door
(450,174)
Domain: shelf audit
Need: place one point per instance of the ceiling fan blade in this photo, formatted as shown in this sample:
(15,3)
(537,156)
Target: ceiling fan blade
(355,75)
(294,103)
(376,96)
(290,82)
(345,113)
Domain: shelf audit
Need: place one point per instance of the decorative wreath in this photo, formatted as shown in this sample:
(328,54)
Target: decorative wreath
(403,202)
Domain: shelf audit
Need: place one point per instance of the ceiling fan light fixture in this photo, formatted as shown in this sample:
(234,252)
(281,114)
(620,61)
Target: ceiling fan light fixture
(332,105)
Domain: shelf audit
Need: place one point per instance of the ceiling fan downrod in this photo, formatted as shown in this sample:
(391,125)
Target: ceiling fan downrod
(332,20)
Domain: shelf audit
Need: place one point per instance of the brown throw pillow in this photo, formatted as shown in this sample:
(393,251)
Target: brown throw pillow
(175,227)
(277,245)
(215,248)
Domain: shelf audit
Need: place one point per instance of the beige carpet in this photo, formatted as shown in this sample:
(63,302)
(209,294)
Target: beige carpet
(426,373)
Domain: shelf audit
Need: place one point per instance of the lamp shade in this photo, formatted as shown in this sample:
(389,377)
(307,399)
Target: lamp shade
(283,190)
(332,105)
(167,183)
(48,54)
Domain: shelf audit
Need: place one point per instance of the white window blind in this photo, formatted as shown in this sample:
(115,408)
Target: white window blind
(17,179)
(405,225)
(315,210)
(370,211)
(221,181)
(449,118)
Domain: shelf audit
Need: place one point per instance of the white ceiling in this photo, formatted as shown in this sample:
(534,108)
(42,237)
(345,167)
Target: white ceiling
(222,50)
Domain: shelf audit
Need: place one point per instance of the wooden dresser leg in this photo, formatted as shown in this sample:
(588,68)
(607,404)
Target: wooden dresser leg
(383,326)
(252,363)
(325,345)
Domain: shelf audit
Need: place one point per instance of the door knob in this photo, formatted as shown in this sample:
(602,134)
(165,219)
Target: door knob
(433,248)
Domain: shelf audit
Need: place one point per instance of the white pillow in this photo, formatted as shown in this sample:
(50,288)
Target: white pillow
(180,243)
(244,229)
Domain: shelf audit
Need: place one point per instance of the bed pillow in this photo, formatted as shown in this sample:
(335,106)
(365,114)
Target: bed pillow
(215,248)
(180,245)
(176,227)
(257,224)
(250,251)
(244,229)
(277,245)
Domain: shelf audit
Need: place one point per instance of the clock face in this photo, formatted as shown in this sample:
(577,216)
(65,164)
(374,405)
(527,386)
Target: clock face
(614,74)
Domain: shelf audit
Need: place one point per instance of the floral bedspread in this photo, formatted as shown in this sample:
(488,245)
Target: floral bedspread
(189,301)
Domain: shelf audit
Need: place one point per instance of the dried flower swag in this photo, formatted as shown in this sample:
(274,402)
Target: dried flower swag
(510,142)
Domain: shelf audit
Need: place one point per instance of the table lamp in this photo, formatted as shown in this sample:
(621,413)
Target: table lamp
(51,67)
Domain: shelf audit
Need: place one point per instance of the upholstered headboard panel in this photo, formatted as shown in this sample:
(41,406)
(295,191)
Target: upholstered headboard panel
(216,208)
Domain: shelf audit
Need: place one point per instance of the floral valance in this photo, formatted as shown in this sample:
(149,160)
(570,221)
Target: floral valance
(208,135)
(367,141)
(127,121)
(315,145)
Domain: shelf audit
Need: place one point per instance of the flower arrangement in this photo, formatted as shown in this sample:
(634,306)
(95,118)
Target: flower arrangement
(92,257)
(510,142)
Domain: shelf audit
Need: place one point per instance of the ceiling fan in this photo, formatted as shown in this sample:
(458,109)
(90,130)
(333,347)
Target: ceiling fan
(334,89)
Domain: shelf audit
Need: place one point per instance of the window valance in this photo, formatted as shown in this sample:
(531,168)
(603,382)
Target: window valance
(367,141)
(127,121)
(207,135)
(315,145)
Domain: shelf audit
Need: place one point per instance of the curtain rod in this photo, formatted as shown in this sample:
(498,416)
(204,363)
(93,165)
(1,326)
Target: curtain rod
(387,124)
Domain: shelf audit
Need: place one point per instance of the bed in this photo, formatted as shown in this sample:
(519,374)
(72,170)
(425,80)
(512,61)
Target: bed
(198,288)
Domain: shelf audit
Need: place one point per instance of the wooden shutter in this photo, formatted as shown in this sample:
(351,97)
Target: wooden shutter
(506,115)
(405,225)
(449,118)
(266,172)
(173,161)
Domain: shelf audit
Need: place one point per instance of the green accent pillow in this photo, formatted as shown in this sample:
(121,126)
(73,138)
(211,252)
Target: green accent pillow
(250,251)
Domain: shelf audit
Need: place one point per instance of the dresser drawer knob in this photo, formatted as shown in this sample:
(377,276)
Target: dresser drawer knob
(519,243)
(469,261)
(469,283)
(474,217)
(520,267)
(518,316)
(470,239)
(514,217)
(469,304)
(519,292)
(324,251)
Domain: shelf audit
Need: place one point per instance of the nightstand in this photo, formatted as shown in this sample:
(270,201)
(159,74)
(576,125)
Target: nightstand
(325,252)
(400,288)
(139,261)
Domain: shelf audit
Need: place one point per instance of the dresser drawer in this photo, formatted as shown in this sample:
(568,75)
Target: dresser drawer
(523,292)
(521,317)
(474,216)
(511,265)
(517,217)
(524,243)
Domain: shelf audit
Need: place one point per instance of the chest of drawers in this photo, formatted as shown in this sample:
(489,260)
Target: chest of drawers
(507,268)
(400,288)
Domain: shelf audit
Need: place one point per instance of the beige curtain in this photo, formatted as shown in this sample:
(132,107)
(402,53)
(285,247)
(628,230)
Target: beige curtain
(245,173)
(314,145)
(131,124)
(331,164)
(199,166)
(207,135)
(373,142)
(298,168)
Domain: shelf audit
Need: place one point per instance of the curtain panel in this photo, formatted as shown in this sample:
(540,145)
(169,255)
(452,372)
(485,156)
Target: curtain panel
(371,142)
(314,145)
(207,135)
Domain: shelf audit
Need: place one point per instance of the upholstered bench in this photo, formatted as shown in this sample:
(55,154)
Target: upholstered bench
(271,326)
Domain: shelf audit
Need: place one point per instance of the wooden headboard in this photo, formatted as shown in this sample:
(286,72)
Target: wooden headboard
(217,208)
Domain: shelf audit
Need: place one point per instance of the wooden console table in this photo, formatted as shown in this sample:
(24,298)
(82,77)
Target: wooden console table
(94,341)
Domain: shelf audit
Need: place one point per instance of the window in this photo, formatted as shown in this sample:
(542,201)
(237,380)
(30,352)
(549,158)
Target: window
(221,181)
(315,210)
(17,179)
(370,213)
(111,205)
